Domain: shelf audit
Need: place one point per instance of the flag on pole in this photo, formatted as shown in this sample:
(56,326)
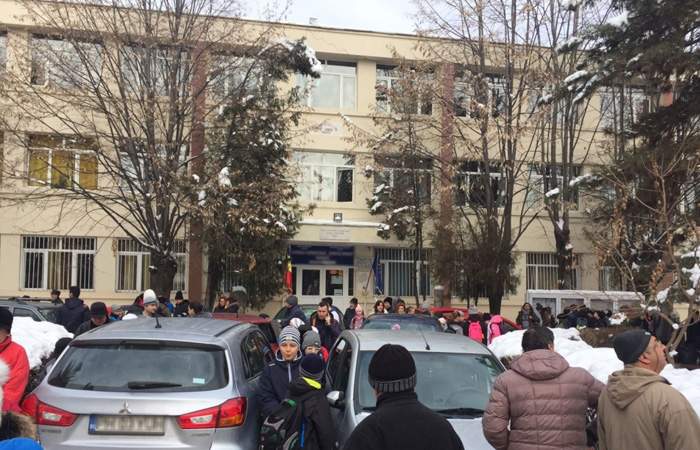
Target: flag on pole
(378,275)
(288,273)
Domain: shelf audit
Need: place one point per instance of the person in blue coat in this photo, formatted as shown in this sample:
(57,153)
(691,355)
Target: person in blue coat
(20,444)
(293,310)
(276,377)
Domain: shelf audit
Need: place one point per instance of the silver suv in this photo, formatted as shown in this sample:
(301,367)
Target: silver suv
(454,373)
(189,384)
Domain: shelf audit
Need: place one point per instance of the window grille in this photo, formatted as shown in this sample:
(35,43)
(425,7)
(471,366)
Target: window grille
(55,262)
(399,272)
(542,271)
(134,261)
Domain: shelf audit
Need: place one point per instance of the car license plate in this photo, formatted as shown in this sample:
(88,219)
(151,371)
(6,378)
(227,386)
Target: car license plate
(136,425)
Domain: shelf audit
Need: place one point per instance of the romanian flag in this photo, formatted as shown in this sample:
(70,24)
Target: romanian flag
(288,273)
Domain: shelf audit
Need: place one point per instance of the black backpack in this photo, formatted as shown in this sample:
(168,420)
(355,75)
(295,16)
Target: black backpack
(284,428)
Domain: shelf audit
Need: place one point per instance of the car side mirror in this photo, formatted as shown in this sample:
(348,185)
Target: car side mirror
(336,399)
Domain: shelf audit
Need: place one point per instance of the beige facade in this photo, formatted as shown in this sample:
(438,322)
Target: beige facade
(331,255)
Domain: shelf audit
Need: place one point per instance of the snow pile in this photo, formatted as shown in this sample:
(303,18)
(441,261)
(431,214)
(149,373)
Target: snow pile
(619,21)
(574,77)
(694,275)
(571,4)
(618,318)
(225,178)
(662,295)
(599,362)
(552,193)
(37,338)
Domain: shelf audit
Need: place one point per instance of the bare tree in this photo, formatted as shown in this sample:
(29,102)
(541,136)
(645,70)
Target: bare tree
(132,85)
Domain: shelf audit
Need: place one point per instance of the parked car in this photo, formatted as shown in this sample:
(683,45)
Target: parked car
(506,326)
(269,327)
(438,356)
(402,322)
(39,309)
(188,384)
(307,309)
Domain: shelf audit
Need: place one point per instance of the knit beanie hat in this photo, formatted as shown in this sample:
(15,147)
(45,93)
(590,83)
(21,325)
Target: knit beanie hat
(98,309)
(392,369)
(311,367)
(149,297)
(292,300)
(289,333)
(630,345)
(311,339)
(6,320)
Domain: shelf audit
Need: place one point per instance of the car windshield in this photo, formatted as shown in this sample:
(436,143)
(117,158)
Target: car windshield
(405,323)
(130,366)
(49,313)
(437,386)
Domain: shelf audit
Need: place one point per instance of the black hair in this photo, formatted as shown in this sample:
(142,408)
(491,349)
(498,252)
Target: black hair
(74,291)
(325,303)
(196,307)
(537,338)
(328,300)
(390,300)
(61,345)
(354,301)
(56,292)
(264,316)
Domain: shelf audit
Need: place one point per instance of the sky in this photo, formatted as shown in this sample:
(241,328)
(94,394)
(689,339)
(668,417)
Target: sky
(373,15)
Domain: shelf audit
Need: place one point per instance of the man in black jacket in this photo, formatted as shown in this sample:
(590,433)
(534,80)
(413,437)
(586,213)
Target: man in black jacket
(319,432)
(400,422)
(74,312)
(350,313)
(328,327)
(293,310)
(98,317)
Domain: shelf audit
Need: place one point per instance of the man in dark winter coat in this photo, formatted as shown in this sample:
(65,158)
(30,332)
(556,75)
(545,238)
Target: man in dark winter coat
(293,310)
(400,422)
(328,327)
(274,383)
(319,432)
(350,312)
(74,312)
(181,305)
(98,317)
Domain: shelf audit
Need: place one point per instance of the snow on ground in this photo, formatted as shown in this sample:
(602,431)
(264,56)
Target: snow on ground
(599,362)
(37,338)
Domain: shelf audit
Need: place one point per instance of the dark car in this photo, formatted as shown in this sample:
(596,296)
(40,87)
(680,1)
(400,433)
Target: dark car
(268,327)
(39,309)
(307,309)
(402,322)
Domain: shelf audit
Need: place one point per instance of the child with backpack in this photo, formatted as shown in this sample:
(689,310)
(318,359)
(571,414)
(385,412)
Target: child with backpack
(303,421)
(494,327)
(475,327)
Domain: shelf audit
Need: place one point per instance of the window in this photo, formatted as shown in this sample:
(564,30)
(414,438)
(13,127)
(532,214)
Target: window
(64,63)
(389,82)
(234,75)
(25,312)
(339,365)
(3,53)
(57,262)
(690,192)
(542,271)
(544,178)
(62,161)
(399,272)
(634,103)
(464,93)
(336,89)
(404,175)
(133,263)
(325,177)
(253,351)
(609,279)
(472,188)
(155,70)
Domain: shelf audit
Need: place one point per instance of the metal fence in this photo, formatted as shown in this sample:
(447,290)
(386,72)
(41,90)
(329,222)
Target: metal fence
(399,272)
(58,262)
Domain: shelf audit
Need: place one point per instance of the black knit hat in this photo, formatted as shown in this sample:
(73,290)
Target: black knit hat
(6,320)
(392,369)
(311,367)
(98,309)
(630,345)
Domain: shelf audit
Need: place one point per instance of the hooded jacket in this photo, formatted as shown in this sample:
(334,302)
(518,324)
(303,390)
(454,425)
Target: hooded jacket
(274,383)
(544,401)
(319,431)
(640,410)
(72,314)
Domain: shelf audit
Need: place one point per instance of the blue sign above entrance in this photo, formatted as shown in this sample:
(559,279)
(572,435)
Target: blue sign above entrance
(322,255)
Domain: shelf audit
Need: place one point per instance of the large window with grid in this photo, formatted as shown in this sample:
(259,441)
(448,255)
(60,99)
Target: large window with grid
(65,63)
(326,177)
(466,102)
(542,272)
(628,103)
(404,175)
(134,262)
(399,272)
(336,89)
(53,262)
(474,180)
(609,279)
(62,161)
(3,53)
(389,84)
(547,180)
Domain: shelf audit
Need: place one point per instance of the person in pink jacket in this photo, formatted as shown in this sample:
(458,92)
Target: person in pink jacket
(540,403)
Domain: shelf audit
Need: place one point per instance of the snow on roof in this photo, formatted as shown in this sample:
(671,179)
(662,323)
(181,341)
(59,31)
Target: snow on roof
(37,338)
(620,20)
